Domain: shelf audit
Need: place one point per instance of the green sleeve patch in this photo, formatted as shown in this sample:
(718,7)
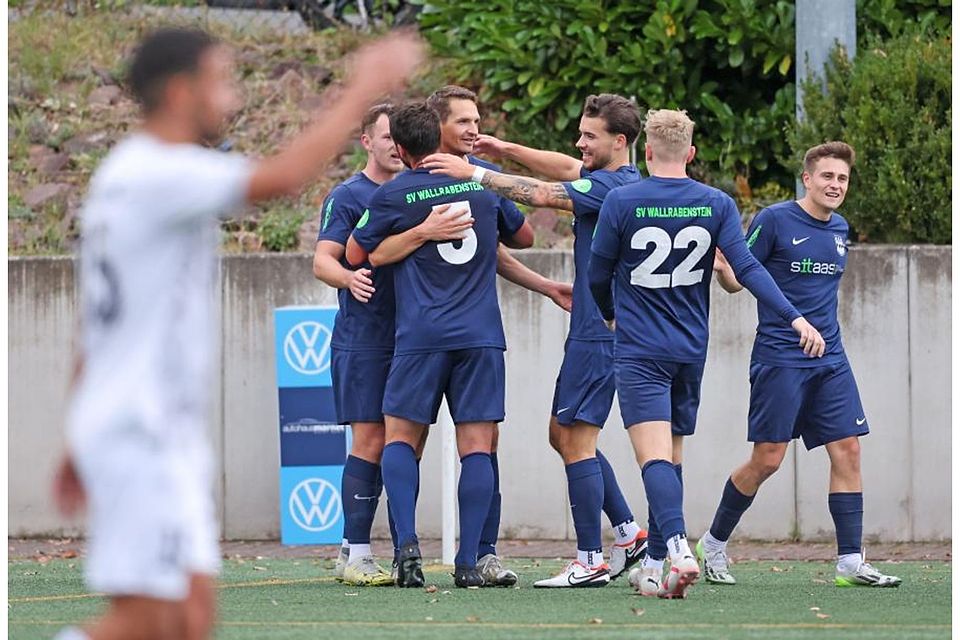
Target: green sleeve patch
(753,236)
(583,185)
(326,214)
(364,219)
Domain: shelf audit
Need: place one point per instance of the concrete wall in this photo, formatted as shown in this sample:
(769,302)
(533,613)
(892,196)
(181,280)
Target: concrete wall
(895,313)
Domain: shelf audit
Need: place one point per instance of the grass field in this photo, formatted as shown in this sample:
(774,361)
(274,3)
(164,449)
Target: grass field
(296,598)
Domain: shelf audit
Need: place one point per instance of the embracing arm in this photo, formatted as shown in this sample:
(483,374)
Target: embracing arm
(529,191)
(553,165)
(518,273)
(327,268)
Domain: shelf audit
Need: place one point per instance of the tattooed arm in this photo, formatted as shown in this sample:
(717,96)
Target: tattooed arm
(520,189)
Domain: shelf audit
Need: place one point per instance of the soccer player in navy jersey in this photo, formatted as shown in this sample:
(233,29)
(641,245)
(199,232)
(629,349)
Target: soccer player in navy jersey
(803,244)
(585,384)
(449,334)
(363,340)
(655,242)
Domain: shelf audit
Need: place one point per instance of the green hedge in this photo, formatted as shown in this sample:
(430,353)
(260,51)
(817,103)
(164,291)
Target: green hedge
(728,62)
(894,107)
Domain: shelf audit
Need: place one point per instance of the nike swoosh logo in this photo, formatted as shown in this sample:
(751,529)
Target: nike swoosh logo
(359,497)
(801,240)
(559,411)
(574,581)
(860,421)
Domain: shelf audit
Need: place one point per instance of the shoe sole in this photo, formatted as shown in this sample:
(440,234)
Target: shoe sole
(684,582)
(385,581)
(501,582)
(593,584)
(845,583)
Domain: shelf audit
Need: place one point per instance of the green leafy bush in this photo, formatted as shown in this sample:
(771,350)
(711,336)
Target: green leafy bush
(724,61)
(893,105)
(729,63)
(279,229)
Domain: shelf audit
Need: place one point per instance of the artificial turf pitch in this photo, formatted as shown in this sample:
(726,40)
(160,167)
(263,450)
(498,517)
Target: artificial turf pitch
(298,599)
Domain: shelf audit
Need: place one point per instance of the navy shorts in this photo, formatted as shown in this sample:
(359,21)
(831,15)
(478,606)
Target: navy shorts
(819,404)
(359,378)
(472,379)
(585,384)
(656,390)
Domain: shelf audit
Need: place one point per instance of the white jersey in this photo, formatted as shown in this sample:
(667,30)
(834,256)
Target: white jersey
(147,269)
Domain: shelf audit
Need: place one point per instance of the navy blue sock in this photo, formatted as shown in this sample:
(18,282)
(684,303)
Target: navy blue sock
(491,528)
(732,506)
(614,504)
(656,545)
(360,492)
(401,477)
(665,497)
(474,492)
(678,468)
(585,484)
(390,522)
(847,512)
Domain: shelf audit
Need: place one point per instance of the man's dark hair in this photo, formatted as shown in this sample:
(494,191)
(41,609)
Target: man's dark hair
(619,114)
(416,128)
(162,54)
(373,114)
(440,99)
(833,149)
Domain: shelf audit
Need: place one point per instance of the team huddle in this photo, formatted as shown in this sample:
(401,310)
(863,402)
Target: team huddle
(422,248)
(414,242)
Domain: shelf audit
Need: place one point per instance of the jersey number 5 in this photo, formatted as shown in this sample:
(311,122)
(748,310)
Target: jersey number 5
(683,274)
(468,246)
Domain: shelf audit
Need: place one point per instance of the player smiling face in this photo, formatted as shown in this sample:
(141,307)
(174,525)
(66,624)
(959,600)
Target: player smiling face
(827,182)
(596,144)
(459,130)
(379,143)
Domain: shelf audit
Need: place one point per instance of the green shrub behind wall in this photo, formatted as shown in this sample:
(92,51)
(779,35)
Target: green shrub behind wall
(894,107)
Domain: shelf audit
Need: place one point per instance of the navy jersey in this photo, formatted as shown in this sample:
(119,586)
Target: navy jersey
(806,258)
(446,291)
(587,195)
(359,326)
(662,234)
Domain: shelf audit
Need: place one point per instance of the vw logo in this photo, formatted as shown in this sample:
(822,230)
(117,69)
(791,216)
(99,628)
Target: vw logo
(315,504)
(307,348)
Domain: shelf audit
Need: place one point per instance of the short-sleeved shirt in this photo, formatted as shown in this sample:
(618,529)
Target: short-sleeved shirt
(360,326)
(147,271)
(807,258)
(663,234)
(587,195)
(445,291)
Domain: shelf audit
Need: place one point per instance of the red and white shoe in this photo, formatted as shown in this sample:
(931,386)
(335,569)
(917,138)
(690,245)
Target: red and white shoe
(624,556)
(682,574)
(576,575)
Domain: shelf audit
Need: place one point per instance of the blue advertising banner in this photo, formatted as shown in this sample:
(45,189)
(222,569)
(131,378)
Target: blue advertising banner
(311,510)
(303,337)
(313,448)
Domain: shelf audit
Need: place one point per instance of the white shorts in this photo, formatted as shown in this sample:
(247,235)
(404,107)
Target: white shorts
(152,521)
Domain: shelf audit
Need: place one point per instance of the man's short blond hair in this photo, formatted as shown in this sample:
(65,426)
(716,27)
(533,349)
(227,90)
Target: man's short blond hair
(669,132)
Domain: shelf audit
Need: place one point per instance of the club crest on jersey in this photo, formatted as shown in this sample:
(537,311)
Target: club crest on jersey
(841,244)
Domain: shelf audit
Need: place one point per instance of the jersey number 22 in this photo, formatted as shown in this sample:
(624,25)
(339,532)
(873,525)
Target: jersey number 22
(683,274)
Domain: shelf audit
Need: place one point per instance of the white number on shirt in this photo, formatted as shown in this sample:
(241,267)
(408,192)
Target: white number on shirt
(468,246)
(683,274)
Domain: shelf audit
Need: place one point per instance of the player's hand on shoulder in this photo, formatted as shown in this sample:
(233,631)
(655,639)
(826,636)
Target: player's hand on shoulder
(489,146)
(68,492)
(387,63)
(446,224)
(562,295)
(361,285)
(811,341)
(448,165)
